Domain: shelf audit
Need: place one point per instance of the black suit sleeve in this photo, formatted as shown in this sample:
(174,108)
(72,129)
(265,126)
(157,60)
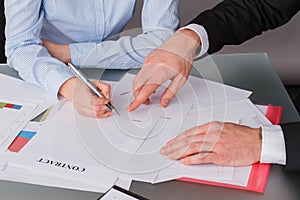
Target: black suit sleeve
(292,145)
(235,21)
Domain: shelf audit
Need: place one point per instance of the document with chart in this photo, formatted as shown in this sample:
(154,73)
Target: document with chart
(85,153)
(26,92)
(14,115)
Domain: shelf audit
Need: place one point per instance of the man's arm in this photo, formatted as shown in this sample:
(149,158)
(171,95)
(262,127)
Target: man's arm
(171,61)
(221,143)
(230,22)
(235,21)
(235,145)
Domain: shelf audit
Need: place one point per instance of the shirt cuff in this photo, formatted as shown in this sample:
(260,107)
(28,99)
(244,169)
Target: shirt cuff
(80,52)
(200,30)
(273,145)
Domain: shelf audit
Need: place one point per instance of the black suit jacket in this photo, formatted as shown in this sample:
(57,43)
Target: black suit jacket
(235,21)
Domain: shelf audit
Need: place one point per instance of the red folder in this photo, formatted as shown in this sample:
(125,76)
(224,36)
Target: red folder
(259,173)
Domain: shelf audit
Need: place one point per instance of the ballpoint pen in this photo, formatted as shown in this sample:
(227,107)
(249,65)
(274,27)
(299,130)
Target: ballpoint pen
(84,79)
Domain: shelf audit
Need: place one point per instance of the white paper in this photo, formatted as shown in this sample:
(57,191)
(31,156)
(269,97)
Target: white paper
(134,139)
(22,90)
(147,164)
(207,93)
(56,151)
(124,182)
(262,108)
(12,120)
(25,175)
(70,140)
(247,113)
(114,194)
(20,171)
(198,91)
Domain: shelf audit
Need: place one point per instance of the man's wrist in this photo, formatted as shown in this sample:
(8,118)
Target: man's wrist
(202,35)
(188,40)
(258,145)
(191,34)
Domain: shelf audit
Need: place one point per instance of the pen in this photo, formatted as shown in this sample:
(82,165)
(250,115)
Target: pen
(84,79)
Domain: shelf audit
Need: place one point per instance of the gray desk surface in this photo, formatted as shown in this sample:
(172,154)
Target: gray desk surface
(248,71)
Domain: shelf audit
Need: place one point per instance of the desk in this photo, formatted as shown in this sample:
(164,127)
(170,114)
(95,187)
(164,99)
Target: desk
(249,71)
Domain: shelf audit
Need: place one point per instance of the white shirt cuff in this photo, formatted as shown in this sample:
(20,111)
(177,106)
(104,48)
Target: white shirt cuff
(273,145)
(200,30)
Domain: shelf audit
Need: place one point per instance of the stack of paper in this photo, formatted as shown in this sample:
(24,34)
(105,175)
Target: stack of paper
(25,92)
(14,115)
(73,151)
(19,103)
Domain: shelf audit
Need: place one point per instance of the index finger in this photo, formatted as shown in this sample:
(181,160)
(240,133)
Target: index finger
(142,95)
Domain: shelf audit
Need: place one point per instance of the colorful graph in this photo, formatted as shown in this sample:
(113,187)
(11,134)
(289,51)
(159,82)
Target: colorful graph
(10,105)
(14,115)
(21,140)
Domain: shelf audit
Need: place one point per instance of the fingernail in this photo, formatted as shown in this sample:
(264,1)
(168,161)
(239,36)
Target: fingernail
(163,151)
(165,102)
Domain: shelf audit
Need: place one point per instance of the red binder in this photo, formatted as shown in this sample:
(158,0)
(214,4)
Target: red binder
(259,173)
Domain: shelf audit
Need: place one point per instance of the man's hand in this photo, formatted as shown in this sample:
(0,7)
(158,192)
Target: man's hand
(216,142)
(60,51)
(171,61)
(84,101)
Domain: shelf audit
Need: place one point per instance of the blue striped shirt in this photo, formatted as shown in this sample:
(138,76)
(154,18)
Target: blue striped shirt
(87,26)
